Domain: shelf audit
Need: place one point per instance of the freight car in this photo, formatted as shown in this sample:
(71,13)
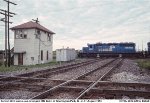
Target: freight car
(109,50)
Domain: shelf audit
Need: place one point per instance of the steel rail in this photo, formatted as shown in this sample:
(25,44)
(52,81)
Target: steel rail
(104,84)
(21,79)
(55,68)
(123,83)
(24,86)
(107,92)
(13,79)
(116,94)
(100,78)
(53,71)
(110,93)
(100,84)
(44,94)
(66,69)
(98,68)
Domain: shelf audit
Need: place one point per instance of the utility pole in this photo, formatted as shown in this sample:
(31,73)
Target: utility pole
(6,61)
(5,20)
(4,57)
(8,3)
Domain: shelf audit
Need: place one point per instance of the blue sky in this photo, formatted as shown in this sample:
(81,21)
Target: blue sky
(78,22)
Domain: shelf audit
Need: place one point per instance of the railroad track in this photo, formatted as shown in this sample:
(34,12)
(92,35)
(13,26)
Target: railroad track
(1,76)
(57,69)
(103,89)
(37,81)
(64,69)
(44,73)
(84,85)
(106,90)
(54,92)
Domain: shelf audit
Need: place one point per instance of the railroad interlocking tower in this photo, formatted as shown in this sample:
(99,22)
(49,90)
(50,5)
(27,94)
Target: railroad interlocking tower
(33,44)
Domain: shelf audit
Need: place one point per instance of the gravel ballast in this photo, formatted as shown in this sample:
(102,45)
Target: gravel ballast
(129,72)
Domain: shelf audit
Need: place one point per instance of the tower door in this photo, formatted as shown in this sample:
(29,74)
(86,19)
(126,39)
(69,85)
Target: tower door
(20,59)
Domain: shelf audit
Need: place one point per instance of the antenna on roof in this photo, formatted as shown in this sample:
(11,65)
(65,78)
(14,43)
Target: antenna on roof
(37,20)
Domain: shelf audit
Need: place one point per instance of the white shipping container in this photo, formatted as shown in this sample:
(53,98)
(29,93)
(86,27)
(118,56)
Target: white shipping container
(65,54)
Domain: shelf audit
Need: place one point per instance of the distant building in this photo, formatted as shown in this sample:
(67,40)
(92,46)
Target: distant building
(66,54)
(33,44)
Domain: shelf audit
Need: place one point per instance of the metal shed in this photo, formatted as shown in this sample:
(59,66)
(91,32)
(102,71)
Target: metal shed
(65,54)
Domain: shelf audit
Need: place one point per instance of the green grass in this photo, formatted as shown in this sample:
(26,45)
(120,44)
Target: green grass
(11,68)
(144,63)
(18,68)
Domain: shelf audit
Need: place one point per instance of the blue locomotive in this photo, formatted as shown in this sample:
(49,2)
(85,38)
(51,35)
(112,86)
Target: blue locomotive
(109,48)
(113,50)
(148,44)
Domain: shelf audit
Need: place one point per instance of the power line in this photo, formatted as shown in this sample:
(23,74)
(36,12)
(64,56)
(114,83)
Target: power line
(5,20)
(7,14)
(8,3)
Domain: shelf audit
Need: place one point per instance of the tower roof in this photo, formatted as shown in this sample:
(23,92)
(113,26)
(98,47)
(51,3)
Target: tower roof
(31,25)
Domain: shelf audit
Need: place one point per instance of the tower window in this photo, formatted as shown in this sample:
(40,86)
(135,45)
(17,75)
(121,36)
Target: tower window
(25,36)
(38,31)
(47,55)
(41,54)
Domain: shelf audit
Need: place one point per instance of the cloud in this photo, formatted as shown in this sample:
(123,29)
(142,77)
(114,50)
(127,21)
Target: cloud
(78,22)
